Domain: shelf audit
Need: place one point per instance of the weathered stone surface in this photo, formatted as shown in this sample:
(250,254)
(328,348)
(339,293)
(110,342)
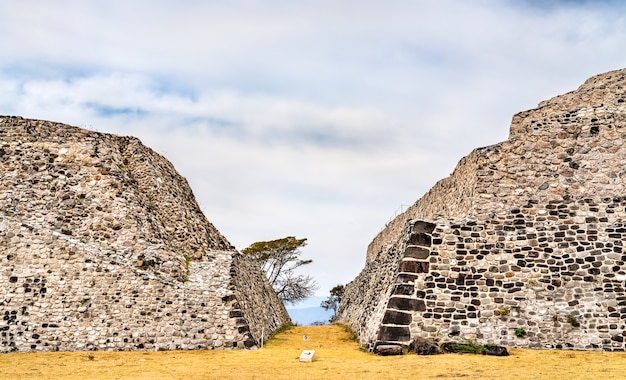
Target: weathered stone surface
(524,239)
(412,266)
(420,239)
(388,349)
(494,350)
(393,317)
(423,227)
(404,289)
(425,346)
(404,303)
(394,334)
(103,247)
(416,252)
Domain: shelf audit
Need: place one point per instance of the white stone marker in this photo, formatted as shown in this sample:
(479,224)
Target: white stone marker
(307,356)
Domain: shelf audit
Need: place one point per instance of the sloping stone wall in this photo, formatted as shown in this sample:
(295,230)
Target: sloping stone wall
(365,298)
(537,247)
(452,196)
(255,300)
(103,247)
(570,145)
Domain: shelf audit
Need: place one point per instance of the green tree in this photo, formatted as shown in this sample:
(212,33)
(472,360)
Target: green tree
(333,301)
(279,259)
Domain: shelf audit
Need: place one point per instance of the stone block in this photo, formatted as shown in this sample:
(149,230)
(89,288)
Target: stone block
(404,289)
(388,350)
(421,226)
(425,346)
(494,350)
(407,304)
(415,252)
(407,277)
(307,356)
(420,239)
(412,266)
(394,334)
(393,317)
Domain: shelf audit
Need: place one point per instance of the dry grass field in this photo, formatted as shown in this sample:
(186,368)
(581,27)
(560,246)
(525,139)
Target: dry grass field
(337,357)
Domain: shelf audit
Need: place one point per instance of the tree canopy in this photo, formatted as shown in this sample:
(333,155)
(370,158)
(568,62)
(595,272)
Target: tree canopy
(333,301)
(279,259)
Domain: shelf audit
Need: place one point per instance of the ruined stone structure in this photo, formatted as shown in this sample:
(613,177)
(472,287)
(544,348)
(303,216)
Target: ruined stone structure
(521,246)
(103,247)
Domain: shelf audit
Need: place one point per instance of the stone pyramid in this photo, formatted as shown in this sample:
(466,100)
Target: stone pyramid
(521,246)
(103,247)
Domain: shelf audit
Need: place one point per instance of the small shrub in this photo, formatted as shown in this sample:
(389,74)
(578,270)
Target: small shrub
(283,328)
(471,347)
(184,277)
(468,347)
(502,312)
(91,357)
(144,263)
(520,332)
(572,320)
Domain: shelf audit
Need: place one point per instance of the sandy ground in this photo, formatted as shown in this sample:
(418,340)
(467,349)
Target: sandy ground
(336,357)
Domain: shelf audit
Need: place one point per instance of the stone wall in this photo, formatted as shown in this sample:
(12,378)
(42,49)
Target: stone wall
(103,247)
(532,238)
(554,270)
(569,146)
(255,300)
(452,196)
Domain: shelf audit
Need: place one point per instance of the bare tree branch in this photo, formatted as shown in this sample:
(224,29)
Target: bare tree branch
(279,259)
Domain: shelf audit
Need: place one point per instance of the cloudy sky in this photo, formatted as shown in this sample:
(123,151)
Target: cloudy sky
(318,119)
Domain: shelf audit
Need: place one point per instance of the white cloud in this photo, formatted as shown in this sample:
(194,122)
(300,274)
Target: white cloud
(315,119)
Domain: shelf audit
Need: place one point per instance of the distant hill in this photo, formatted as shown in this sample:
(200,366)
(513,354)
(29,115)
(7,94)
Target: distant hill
(309,311)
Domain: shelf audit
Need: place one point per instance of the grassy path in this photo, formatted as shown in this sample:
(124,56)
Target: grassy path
(337,357)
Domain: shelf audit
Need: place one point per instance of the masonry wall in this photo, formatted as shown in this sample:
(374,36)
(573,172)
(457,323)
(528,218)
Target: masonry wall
(570,145)
(525,235)
(452,196)
(103,247)
(60,294)
(255,302)
(556,271)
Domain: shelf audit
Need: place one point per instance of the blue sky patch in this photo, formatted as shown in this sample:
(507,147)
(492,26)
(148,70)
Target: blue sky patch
(108,111)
